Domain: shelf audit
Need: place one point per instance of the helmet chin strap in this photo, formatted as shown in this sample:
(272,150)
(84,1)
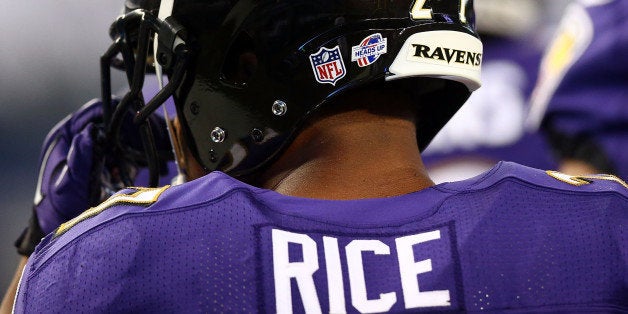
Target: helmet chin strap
(165,10)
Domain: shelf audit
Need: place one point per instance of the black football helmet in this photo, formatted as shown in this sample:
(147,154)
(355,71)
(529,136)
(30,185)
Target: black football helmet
(246,74)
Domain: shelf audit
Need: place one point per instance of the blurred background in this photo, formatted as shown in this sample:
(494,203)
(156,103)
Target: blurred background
(49,59)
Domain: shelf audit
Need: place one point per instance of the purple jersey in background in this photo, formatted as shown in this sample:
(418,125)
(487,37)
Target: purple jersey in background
(512,239)
(582,92)
(490,126)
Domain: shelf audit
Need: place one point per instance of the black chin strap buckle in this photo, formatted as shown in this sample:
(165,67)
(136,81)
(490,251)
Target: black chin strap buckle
(171,35)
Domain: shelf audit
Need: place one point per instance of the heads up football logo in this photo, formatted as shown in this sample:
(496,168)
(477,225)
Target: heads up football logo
(369,50)
(328,65)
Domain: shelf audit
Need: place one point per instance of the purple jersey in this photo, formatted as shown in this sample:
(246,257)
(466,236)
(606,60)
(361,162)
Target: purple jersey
(490,126)
(582,91)
(512,239)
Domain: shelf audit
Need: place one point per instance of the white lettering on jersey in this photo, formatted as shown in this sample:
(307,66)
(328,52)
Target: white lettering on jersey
(409,269)
(357,281)
(303,273)
(335,282)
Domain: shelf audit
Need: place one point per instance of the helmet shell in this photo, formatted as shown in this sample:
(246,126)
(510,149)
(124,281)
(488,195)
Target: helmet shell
(261,68)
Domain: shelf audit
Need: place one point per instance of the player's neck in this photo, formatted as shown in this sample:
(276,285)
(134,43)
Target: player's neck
(351,155)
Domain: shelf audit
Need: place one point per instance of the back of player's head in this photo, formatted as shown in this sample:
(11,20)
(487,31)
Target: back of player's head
(249,74)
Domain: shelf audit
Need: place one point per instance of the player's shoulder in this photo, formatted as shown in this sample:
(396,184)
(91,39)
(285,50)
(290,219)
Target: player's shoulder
(510,173)
(137,202)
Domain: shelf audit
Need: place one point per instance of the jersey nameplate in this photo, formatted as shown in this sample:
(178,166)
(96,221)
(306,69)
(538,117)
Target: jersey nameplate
(584,179)
(341,273)
(141,196)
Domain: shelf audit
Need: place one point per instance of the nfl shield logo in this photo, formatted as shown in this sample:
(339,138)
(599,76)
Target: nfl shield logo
(328,65)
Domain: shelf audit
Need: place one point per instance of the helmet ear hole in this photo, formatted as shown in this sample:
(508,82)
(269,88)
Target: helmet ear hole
(240,62)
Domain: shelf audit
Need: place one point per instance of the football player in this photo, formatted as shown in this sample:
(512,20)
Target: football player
(299,128)
(581,99)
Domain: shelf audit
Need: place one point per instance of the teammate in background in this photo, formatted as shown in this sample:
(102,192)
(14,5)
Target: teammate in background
(581,99)
(322,108)
(490,126)
(72,173)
